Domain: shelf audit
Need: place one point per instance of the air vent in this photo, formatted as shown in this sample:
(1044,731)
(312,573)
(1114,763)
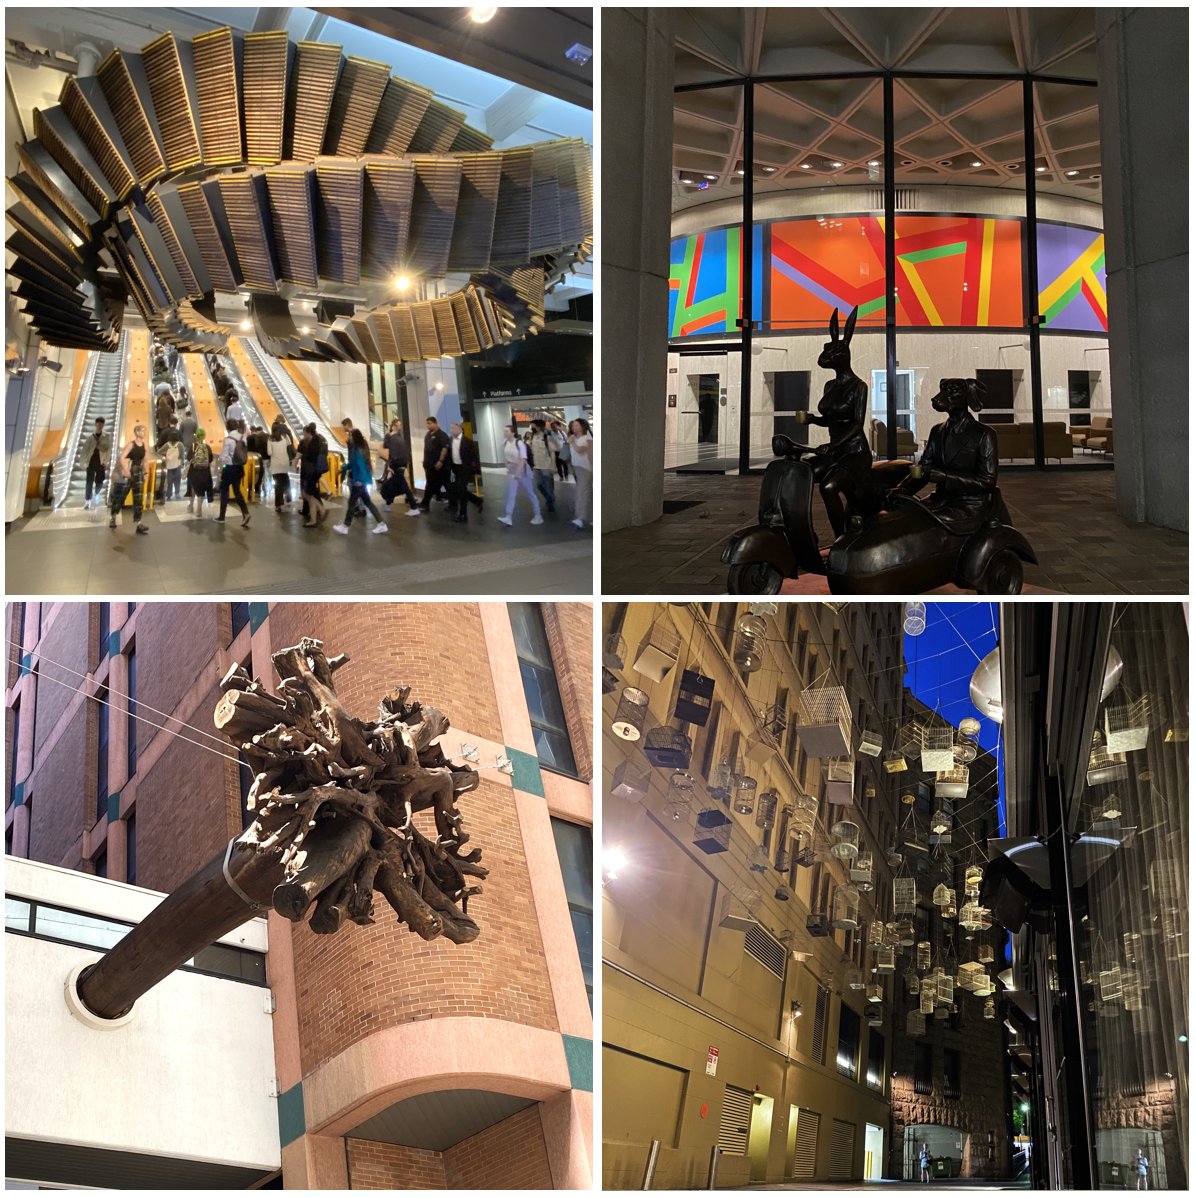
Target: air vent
(842,1149)
(769,952)
(734,1121)
(907,199)
(805,1152)
(821,1004)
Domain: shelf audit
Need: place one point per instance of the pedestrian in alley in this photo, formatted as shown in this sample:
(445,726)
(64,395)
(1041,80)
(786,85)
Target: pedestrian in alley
(130,476)
(1141,1166)
(925,1159)
(517,456)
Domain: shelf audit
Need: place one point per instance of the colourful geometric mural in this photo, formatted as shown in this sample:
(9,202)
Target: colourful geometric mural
(706,281)
(1071,278)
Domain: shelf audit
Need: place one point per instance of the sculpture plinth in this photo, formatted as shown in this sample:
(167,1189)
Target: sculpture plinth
(335,801)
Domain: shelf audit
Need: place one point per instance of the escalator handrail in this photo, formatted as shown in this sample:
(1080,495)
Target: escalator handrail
(64,464)
(243,393)
(118,419)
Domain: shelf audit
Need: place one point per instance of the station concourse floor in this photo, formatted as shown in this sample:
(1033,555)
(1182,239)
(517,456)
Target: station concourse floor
(1069,517)
(72,552)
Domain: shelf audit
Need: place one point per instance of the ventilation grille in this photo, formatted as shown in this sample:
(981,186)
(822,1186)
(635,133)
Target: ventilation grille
(842,1149)
(821,1004)
(769,952)
(805,1152)
(907,199)
(734,1121)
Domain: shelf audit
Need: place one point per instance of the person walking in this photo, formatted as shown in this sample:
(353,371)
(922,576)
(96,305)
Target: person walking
(199,473)
(172,459)
(394,482)
(1141,1166)
(558,438)
(519,476)
(257,444)
(361,478)
(466,466)
(130,477)
(924,1160)
(314,465)
(98,448)
(581,453)
(280,453)
(543,465)
(187,426)
(233,457)
(436,473)
(234,411)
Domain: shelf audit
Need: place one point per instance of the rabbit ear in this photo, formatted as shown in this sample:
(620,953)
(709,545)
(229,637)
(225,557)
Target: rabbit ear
(850,327)
(835,324)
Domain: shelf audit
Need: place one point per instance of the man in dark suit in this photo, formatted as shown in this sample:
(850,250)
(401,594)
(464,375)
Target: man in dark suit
(466,466)
(436,462)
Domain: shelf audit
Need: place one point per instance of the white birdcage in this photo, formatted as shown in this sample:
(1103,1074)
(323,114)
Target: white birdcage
(913,984)
(631,781)
(659,650)
(840,782)
(926,998)
(969,975)
(952,783)
(975,918)
(874,992)
(739,906)
(886,958)
(804,815)
(679,801)
(938,749)
(870,743)
(750,631)
(902,932)
(922,958)
(876,935)
(943,895)
(845,908)
(915,1023)
(945,985)
(1105,767)
(972,877)
(914,623)
(905,896)
(824,721)
(985,954)
(723,776)
(1131,989)
(861,871)
(1110,983)
(1127,725)
(895,763)
(845,840)
(855,978)
(940,821)
(990,1008)
(984,985)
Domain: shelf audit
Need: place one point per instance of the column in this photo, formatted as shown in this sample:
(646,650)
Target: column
(636,169)
(1142,55)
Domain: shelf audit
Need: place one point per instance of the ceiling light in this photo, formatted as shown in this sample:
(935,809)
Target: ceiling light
(1071,173)
(402,282)
(305,329)
(481,13)
(836,164)
(739,172)
(768,170)
(712,177)
(1014,166)
(874,163)
(614,861)
(977,163)
(246,325)
(1096,176)
(805,166)
(907,162)
(438,387)
(1039,169)
(579,54)
(944,162)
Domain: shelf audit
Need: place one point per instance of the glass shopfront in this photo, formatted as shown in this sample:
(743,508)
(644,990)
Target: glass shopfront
(960,215)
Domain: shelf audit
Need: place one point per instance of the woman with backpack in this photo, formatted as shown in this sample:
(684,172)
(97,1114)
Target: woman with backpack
(314,465)
(199,473)
(233,457)
(280,451)
(517,456)
(361,478)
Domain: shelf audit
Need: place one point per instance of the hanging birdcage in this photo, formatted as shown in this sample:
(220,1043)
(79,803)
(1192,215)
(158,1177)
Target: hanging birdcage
(723,776)
(952,783)
(972,877)
(1127,725)
(913,984)
(938,749)
(895,763)
(975,918)
(985,954)
(694,698)
(922,956)
(614,651)
(784,860)
(803,817)
(659,650)
(945,988)
(766,809)
(840,783)
(940,821)
(902,932)
(743,796)
(984,985)
(759,863)
(713,833)
(926,998)
(861,872)
(1110,983)
(914,623)
(855,978)
(967,748)
(874,992)
(845,840)
(760,746)
(941,1013)
(845,908)
(949,910)
(631,713)
(908,798)
(739,906)
(1105,767)
(1131,989)
(680,798)
(668,748)
(905,896)
(750,631)
(969,975)
(943,895)
(1132,943)
(782,893)
(990,1008)
(870,743)
(631,781)
(824,721)
(610,681)
(886,958)
(817,924)
(915,1023)
(876,935)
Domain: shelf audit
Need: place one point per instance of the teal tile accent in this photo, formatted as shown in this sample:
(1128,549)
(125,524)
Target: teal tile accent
(291,1122)
(18,794)
(527,776)
(113,808)
(113,644)
(257,615)
(26,660)
(579,1054)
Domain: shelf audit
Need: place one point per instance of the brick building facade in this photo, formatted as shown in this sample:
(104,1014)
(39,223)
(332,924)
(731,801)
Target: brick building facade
(484,1048)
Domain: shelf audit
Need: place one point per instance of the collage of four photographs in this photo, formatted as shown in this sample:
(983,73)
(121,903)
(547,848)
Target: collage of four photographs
(574,617)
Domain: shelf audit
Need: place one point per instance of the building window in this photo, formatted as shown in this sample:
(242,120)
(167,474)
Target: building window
(847,1058)
(538,672)
(923,1069)
(101,700)
(131,849)
(132,712)
(575,852)
(951,1073)
(876,1060)
(240,614)
(16,747)
(105,629)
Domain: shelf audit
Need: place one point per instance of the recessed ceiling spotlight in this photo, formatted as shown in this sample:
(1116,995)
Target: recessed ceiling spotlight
(739,172)
(944,162)
(305,329)
(907,162)
(1039,169)
(769,170)
(711,176)
(246,325)
(836,165)
(874,163)
(1014,166)
(977,163)
(481,13)
(579,54)
(1070,174)
(805,166)
(686,180)
(402,282)
(1096,176)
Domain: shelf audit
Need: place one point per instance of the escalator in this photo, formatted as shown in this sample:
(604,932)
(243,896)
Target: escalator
(295,407)
(253,413)
(103,397)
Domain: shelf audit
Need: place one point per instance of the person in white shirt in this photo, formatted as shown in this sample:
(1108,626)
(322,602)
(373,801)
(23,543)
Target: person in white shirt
(581,454)
(519,476)
(235,411)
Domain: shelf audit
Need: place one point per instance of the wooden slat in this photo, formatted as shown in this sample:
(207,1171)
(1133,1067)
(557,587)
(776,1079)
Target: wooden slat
(355,106)
(203,397)
(217,94)
(266,59)
(313,84)
(172,105)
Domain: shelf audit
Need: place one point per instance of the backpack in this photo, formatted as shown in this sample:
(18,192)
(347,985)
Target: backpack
(174,455)
(240,452)
(201,455)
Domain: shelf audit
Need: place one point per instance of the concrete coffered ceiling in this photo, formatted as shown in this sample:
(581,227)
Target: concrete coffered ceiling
(829,131)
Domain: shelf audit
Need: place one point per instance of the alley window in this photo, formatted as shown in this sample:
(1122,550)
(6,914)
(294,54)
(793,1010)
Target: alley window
(536,667)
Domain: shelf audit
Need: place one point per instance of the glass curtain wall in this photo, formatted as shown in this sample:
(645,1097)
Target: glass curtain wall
(979,195)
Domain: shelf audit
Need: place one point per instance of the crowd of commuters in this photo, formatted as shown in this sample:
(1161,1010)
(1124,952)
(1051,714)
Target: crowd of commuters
(191,465)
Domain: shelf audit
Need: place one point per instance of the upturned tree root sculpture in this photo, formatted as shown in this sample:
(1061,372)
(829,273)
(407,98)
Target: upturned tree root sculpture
(338,803)
(336,798)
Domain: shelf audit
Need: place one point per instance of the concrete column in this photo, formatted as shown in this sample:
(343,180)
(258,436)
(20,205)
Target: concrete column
(568,1123)
(1142,63)
(637,157)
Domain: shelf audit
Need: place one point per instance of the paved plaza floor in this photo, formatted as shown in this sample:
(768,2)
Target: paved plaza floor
(1069,517)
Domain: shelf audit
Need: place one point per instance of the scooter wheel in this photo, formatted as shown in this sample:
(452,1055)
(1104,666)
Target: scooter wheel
(754,578)
(1003,574)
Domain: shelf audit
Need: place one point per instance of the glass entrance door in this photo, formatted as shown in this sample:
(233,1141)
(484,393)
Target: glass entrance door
(907,413)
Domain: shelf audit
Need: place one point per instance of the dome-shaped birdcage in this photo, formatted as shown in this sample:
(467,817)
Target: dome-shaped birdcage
(723,777)
(750,633)
(803,816)
(679,801)
(630,714)
(845,840)
(973,875)
(845,908)
(743,795)
(766,809)
(942,895)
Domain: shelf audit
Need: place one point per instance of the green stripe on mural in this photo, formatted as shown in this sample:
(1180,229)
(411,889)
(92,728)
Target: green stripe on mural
(871,306)
(1099,264)
(938,251)
(1062,302)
